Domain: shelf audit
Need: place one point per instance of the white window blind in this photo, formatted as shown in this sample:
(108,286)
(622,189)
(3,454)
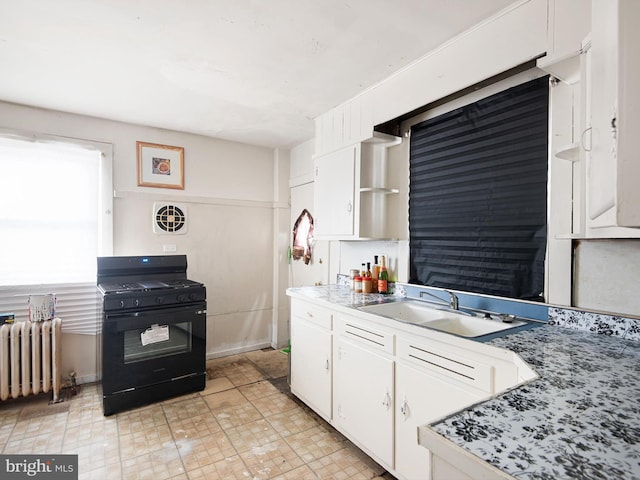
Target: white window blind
(55,216)
(76,304)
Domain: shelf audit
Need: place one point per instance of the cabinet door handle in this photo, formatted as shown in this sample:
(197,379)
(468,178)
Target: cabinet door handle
(326,365)
(386,401)
(583,138)
(349,207)
(404,408)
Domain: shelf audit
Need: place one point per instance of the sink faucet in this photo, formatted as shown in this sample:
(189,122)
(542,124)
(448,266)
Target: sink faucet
(453,299)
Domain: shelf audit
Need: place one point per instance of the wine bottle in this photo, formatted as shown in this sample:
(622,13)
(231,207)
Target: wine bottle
(383,278)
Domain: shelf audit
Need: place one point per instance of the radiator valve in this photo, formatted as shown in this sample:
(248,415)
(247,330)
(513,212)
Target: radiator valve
(71,383)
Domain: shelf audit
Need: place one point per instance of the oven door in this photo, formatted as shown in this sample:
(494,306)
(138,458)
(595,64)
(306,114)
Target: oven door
(153,346)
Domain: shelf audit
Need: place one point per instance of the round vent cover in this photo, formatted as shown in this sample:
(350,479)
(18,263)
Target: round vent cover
(169,218)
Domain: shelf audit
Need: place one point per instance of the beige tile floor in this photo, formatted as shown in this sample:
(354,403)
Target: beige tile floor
(244,425)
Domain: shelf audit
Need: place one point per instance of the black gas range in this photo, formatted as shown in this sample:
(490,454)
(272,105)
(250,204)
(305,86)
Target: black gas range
(150,293)
(153,338)
(146,282)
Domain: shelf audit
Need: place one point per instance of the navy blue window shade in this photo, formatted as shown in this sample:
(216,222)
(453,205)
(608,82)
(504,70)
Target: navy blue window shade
(478,195)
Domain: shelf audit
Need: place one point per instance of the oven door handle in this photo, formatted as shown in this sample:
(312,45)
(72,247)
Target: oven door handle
(129,321)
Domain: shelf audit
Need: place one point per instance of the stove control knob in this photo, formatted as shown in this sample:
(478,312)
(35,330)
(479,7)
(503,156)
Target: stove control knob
(121,303)
(193,296)
(159,300)
(137,302)
(182,298)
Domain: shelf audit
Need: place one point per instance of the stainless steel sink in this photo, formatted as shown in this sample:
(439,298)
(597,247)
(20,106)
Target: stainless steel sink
(422,314)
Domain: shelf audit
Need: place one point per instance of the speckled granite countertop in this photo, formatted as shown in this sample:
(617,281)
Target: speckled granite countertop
(341,295)
(579,420)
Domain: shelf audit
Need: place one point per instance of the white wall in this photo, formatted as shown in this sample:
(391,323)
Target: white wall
(606,275)
(354,254)
(301,167)
(282,214)
(233,214)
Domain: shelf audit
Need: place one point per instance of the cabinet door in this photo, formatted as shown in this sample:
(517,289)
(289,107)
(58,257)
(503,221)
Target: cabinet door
(421,398)
(335,200)
(311,365)
(613,165)
(604,65)
(363,398)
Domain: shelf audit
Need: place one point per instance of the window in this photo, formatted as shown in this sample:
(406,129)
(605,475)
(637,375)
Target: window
(56,219)
(478,195)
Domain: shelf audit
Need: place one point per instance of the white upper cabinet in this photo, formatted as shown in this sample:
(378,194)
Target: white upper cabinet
(334,190)
(351,191)
(593,133)
(613,162)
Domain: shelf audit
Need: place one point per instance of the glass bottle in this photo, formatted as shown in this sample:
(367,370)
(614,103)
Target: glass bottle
(383,278)
(375,273)
(367,285)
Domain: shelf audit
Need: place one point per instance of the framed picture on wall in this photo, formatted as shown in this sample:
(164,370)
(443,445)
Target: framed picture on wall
(160,166)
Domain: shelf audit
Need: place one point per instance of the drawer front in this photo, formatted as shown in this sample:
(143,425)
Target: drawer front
(365,334)
(319,316)
(436,357)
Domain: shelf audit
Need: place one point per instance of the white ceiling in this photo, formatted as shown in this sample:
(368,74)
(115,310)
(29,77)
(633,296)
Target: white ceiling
(252,71)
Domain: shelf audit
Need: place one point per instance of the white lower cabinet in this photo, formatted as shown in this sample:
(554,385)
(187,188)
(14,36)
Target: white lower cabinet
(363,389)
(426,389)
(376,380)
(412,460)
(311,356)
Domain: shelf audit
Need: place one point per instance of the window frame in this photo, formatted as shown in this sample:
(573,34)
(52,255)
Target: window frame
(560,272)
(76,301)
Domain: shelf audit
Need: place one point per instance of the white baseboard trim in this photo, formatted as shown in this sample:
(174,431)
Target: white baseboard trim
(92,378)
(235,351)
